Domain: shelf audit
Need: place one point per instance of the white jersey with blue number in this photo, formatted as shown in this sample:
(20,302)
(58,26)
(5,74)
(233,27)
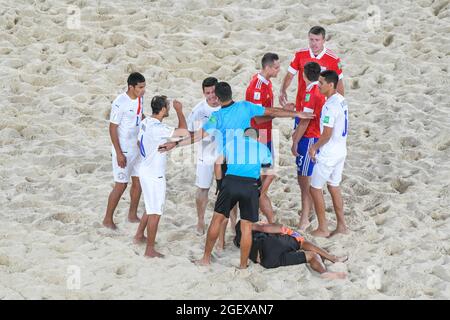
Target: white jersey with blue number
(334,115)
(152,134)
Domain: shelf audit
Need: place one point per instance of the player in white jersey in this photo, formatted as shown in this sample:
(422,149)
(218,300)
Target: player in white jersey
(206,151)
(329,154)
(126,116)
(152,171)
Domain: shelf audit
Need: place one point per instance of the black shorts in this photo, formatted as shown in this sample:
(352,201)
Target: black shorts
(281,250)
(239,189)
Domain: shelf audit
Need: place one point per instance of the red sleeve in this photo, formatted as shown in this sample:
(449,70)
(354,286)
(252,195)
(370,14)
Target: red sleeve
(295,63)
(337,66)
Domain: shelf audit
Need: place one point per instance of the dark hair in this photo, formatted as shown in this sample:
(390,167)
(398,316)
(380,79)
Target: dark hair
(312,71)
(223,91)
(158,103)
(317,30)
(330,76)
(251,132)
(268,59)
(209,82)
(135,78)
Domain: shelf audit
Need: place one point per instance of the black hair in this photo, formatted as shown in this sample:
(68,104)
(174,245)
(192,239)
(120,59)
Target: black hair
(135,78)
(317,30)
(209,82)
(330,76)
(268,59)
(312,71)
(158,103)
(223,91)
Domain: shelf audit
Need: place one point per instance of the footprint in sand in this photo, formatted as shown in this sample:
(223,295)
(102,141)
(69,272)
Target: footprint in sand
(388,40)
(401,185)
(409,142)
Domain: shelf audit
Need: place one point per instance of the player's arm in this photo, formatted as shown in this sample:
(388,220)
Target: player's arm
(187,140)
(267,227)
(282,113)
(298,134)
(338,69)
(340,87)
(218,167)
(284,86)
(115,118)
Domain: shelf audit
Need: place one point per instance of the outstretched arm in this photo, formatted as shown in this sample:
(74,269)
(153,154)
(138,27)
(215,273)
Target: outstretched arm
(282,113)
(188,140)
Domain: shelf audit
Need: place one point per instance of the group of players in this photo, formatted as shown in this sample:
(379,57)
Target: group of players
(235,145)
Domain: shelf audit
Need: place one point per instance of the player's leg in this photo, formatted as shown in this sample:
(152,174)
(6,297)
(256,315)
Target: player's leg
(319,177)
(304,171)
(113,201)
(336,196)
(135,196)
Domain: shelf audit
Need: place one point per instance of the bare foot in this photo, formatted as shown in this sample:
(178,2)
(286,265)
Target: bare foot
(134,219)
(153,254)
(303,226)
(200,229)
(320,233)
(343,230)
(333,275)
(220,245)
(203,262)
(109,224)
(139,239)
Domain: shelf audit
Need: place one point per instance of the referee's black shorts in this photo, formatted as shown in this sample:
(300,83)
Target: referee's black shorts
(239,189)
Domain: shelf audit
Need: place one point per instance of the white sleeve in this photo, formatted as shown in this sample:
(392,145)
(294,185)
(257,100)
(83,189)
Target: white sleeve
(165,131)
(329,118)
(116,113)
(292,70)
(190,121)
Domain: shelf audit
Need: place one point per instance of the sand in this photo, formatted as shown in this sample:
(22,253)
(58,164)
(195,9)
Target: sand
(57,84)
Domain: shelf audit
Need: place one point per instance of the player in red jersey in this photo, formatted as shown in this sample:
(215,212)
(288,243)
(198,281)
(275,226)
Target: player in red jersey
(315,53)
(259,91)
(306,134)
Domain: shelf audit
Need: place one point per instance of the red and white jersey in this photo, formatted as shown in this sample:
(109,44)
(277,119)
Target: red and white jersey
(127,114)
(327,60)
(259,92)
(313,102)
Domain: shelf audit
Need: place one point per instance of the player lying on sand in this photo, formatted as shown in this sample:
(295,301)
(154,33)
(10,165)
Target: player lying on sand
(275,245)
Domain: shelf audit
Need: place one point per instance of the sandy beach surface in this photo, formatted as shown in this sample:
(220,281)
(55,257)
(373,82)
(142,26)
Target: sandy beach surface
(62,64)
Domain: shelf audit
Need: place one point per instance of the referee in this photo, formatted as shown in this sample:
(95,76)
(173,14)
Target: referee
(240,184)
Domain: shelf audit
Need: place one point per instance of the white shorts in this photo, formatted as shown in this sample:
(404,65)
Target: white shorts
(122,175)
(204,175)
(323,173)
(154,191)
